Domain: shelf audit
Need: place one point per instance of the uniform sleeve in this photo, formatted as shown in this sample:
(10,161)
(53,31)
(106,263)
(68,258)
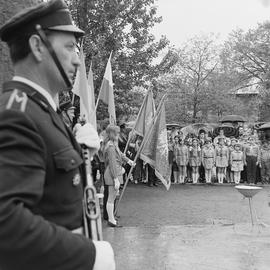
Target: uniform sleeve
(111,156)
(28,241)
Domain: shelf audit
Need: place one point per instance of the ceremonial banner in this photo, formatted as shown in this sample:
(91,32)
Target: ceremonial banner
(155,149)
(106,91)
(83,89)
(144,117)
(146,114)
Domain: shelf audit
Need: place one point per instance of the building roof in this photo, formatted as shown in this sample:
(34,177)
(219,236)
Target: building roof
(253,89)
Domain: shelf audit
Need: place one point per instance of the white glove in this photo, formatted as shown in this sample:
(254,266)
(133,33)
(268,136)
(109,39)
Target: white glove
(116,184)
(88,136)
(131,163)
(104,256)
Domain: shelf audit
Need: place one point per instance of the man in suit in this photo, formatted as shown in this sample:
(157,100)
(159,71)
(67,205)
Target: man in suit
(202,141)
(41,185)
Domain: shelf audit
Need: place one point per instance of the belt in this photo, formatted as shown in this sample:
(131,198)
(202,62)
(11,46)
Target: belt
(237,160)
(78,231)
(208,157)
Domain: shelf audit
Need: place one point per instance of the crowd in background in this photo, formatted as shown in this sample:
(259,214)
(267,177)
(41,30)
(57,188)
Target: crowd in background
(203,158)
(209,159)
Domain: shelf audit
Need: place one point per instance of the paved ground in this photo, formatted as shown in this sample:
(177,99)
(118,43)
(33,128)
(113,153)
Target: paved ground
(190,227)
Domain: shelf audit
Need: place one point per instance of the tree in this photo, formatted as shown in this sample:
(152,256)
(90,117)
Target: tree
(121,27)
(187,82)
(248,53)
(8,9)
(247,56)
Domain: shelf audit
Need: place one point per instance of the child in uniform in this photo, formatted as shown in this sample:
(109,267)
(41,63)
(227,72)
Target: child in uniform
(222,159)
(195,160)
(237,162)
(208,159)
(181,153)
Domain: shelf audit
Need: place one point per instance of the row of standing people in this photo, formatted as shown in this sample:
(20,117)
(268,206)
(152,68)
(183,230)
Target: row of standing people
(232,161)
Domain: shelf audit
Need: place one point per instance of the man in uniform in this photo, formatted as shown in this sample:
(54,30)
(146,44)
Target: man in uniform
(41,185)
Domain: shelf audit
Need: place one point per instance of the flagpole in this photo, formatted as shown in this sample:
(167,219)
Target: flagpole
(73,95)
(144,141)
(133,129)
(97,103)
(73,99)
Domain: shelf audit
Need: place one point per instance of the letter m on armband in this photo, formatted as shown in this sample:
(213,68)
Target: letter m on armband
(17,101)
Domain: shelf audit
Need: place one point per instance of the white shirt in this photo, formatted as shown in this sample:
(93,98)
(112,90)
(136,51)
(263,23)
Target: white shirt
(38,88)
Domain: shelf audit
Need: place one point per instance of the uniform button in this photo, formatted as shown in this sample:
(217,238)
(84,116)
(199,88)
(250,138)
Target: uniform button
(72,161)
(76,179)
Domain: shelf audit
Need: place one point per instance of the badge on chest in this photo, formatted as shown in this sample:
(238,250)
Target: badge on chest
(76,179)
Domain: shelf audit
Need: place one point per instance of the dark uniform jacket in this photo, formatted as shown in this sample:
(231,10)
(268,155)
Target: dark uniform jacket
(40,188)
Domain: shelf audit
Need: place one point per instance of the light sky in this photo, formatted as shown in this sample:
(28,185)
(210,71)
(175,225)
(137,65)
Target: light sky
(183,19)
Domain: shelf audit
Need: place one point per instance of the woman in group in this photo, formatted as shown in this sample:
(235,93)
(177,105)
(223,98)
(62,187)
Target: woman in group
(188,143)
(222,159)
(195,160)
(170,154)
(237,162)
(208,159)
(264,162)
(181,154)
(252,153)
(230,173)
(227,141)
(138,173)
(113,176)
(174,165)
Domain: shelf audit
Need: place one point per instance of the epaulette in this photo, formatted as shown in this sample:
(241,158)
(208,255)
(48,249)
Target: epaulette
(17,100)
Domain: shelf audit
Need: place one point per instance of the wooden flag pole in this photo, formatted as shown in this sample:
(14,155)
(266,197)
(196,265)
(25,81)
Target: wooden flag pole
(145,139)
(73,99)
(133,129)
(97,104)
(73,95)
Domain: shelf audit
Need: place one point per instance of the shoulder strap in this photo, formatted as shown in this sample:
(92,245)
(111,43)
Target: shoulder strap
(26,90)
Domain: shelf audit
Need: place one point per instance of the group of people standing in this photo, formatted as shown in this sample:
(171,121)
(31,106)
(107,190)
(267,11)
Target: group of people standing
(206,159)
